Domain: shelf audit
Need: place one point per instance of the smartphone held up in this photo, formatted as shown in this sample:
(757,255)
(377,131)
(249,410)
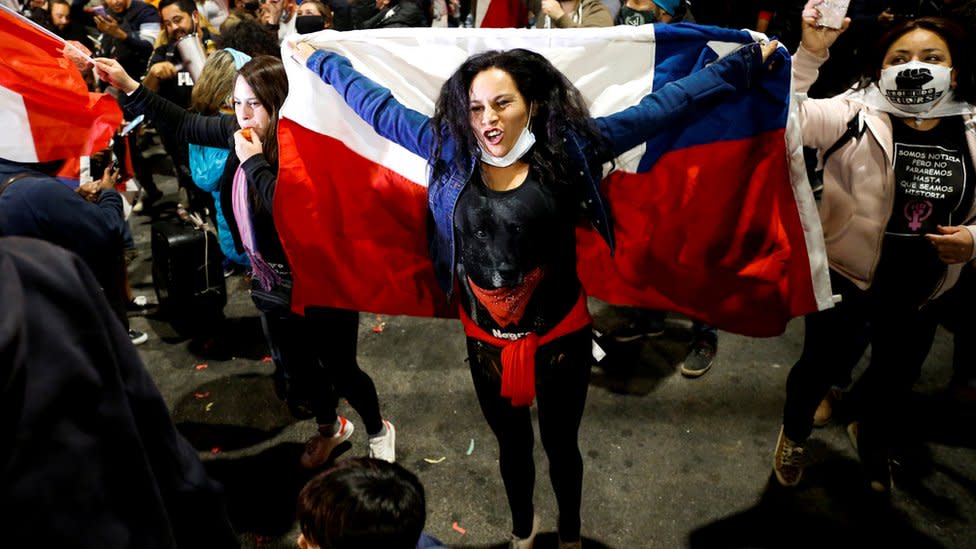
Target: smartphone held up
(832,13)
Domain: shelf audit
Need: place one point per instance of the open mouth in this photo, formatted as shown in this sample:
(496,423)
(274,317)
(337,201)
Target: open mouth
(493,136)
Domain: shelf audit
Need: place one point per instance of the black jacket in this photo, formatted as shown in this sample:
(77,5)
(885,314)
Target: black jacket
(89,456)
(178,89)
(133,52)
(403,14)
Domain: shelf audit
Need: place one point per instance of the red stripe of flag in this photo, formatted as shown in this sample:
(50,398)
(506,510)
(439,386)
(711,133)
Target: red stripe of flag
(66,120)
(723,244)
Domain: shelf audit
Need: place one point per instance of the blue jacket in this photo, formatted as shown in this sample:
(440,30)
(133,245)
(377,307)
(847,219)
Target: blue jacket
(623,130)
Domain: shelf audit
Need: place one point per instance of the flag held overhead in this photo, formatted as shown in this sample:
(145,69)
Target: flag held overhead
(714,216)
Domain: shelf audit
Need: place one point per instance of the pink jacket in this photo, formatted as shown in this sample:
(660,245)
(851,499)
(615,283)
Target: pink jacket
(858,193)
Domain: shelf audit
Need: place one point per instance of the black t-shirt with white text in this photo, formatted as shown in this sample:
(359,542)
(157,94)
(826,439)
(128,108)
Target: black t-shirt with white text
(933,187)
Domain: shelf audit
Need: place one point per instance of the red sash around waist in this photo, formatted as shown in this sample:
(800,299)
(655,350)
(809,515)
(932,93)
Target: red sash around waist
(518,356)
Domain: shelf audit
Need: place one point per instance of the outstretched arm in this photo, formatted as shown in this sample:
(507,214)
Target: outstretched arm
(213,131)
(674,101)
(372,102)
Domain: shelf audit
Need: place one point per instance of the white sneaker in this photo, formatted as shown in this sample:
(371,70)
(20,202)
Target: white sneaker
(384,446)
(137,337)
(319,448)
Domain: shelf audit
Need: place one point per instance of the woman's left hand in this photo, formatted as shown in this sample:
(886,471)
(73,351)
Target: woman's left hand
(954,244)
(246,149)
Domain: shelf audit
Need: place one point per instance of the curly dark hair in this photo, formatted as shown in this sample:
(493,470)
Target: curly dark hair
(955,37)
(560,111)
(249,36)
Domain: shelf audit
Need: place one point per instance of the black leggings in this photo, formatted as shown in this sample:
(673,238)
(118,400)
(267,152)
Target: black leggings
(562,374)
(900,337)
(317,354)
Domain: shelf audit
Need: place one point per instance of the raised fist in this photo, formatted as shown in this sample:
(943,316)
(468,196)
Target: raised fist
(913,79)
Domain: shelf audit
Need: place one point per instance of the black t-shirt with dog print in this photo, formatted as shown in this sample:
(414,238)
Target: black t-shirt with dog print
(516,254)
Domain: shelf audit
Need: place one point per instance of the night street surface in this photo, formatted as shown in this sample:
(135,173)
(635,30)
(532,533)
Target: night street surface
(669,462)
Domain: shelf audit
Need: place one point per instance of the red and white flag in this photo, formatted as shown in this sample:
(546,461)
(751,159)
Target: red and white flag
(714,218)
(46,110)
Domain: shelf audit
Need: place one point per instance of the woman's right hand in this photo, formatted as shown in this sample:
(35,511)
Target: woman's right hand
(815,38)
(112,72)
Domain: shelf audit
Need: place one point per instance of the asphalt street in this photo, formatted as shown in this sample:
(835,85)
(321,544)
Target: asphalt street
(669,461)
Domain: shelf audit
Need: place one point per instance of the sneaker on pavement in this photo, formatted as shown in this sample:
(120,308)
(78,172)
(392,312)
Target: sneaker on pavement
(647,324)
(699,359)
(383,446)
(788,460)
(526,543)
(825,410)
(137,337)
(319,448)
(578,544)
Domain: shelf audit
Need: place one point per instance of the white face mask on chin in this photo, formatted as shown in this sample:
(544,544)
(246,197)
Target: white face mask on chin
(915,87)
(525,141)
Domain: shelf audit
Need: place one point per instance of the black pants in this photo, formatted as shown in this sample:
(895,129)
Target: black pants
(900,336)
(317,354)
(562,373)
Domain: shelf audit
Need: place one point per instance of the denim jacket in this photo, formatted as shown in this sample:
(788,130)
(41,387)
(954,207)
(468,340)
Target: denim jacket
(623,131)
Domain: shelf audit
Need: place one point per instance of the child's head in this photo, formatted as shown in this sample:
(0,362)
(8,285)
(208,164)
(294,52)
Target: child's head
(362,502)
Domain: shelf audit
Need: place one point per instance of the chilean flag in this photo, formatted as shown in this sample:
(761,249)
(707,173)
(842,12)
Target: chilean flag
(46,111)
(714,218)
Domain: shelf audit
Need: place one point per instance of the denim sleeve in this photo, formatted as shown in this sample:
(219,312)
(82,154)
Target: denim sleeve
(374,103)
(677,99)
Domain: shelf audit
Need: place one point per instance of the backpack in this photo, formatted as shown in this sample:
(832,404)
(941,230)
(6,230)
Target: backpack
(855,129)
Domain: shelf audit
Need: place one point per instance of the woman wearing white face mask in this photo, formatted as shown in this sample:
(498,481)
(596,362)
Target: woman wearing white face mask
(898,216)
(515,163)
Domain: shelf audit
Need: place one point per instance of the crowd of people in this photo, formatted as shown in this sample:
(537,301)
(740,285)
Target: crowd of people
(512,138)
